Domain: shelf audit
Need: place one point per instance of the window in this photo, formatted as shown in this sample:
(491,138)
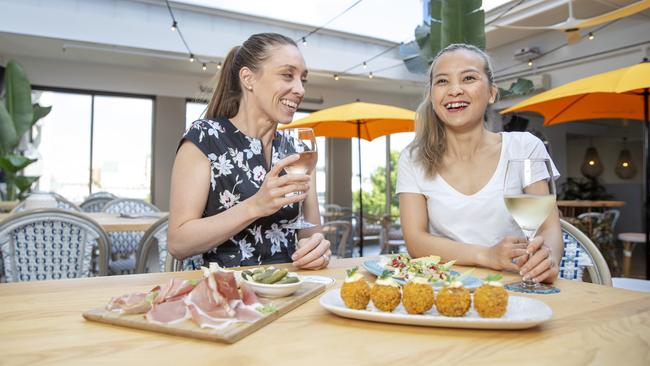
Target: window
(194,111)
(91,143)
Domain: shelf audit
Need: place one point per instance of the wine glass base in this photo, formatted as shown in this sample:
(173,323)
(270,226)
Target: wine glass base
(300,225)
(536,288)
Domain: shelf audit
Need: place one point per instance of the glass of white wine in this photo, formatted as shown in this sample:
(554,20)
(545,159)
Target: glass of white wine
(529,194)
(301,141)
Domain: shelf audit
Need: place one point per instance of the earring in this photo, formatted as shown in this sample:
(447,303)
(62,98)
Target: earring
(249,87)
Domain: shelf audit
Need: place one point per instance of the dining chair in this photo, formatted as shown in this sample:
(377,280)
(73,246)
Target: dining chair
(152,252)
(581,253)
(61,203)
(338,233)
(124,244)
(50,244)
(391,237)
(96,201)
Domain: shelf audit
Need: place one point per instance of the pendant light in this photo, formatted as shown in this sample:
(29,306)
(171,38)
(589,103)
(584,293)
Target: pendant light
(625,168)
(592,166)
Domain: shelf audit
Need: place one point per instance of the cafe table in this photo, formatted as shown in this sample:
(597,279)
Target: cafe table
(41,323)
(114,222)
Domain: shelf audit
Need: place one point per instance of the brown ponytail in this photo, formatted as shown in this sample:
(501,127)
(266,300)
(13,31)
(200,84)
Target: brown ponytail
(228,93)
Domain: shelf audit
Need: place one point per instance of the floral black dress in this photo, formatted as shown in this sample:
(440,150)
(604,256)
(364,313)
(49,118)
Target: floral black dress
(238,168)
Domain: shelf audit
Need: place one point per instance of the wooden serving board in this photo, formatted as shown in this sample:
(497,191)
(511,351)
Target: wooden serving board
(188,328)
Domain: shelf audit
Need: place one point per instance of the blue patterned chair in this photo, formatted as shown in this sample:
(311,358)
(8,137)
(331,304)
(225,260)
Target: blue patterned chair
(581,253)
(96,201)
(46,244)
(61,202)
(156,238)
(124,244)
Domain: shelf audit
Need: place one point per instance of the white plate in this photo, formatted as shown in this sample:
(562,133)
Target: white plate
(522,313)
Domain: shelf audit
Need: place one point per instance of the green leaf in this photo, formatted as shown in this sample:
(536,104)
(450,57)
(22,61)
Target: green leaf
(463,21)
(18,98)
(522,86)
(23,183)
(8,136)
(435,29)
(266,309)
(40,112)
(387,273)
(350,272)
(13,163)
(493,277)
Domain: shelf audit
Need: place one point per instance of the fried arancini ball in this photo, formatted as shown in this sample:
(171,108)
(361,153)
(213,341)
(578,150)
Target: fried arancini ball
(491,301)
(453,300)
(385,297)
(417,297)
(356,294)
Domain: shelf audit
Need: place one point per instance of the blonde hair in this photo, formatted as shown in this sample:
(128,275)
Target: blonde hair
(430,141)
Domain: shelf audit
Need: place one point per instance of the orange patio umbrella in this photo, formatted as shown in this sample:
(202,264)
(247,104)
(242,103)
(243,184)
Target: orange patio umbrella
(361,120)
(622,93)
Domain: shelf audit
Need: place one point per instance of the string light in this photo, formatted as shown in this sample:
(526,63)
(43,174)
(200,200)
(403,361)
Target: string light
(219,66)
(304,41)
(174,25)
(336,77)
(204,67)
(591,36)
(530,63)
(191,57)
(304,38)
(370,76)
(365,64)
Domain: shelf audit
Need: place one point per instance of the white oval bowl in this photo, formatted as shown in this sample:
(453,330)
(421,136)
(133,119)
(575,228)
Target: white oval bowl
(273,290)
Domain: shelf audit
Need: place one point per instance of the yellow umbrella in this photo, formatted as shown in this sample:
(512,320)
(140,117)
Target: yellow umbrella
(361,120)
(621,93)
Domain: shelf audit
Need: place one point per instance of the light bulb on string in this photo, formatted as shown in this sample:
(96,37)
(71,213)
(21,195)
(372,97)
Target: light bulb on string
(530,63)
(304,41)
(204,67)
(336,77)
(370,76)
(591,36)
(365,64)
(219,66)
(174,26)
(191,57)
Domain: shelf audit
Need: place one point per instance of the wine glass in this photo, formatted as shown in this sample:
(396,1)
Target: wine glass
(529,194)
(299,141)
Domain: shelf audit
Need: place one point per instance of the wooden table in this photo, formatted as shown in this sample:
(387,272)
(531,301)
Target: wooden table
(41,323)
(113,222)
(568,208)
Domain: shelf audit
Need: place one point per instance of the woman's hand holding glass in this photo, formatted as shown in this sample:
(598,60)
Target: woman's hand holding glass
(539,266)
(503,256)
(276,190)
(312,253)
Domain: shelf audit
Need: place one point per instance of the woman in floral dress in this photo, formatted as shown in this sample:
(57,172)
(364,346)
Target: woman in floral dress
(230,196)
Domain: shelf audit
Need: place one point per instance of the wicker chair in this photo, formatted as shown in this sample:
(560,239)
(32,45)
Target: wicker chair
(125,244)
(61,203)
(96,201)
(580,253)
(338,233)
(156,237)
(46,244)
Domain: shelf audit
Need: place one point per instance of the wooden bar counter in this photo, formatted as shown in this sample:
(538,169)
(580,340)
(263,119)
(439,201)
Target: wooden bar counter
(41,323)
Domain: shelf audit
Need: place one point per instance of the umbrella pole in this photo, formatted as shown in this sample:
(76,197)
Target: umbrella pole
(646,142)
(360,192)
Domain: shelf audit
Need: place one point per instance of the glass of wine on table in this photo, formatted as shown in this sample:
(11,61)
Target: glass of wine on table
(301,141)
(529,194)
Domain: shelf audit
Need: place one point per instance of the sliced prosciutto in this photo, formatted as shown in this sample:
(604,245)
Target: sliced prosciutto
(137,303)
(174,289)
(226,284)
(169,312)
(248,295)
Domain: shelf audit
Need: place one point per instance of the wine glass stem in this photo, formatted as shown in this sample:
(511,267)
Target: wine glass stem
(301,219)
(527,281)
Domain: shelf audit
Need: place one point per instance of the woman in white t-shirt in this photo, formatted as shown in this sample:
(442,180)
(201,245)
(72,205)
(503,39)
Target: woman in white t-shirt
(450,179)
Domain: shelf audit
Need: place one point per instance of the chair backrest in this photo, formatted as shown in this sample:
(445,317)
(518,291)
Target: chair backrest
(156,236)
(44,244)
(580,253)
(341,235)
(95,204)
(129,206)
(61,203)
(102,194)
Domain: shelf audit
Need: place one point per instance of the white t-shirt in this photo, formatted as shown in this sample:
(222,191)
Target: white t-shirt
(480,218)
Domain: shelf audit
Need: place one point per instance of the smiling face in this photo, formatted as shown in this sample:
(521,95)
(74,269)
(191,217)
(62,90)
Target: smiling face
(278,85)
(460,89)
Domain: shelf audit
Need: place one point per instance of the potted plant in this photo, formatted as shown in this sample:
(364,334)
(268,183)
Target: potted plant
(17,116)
